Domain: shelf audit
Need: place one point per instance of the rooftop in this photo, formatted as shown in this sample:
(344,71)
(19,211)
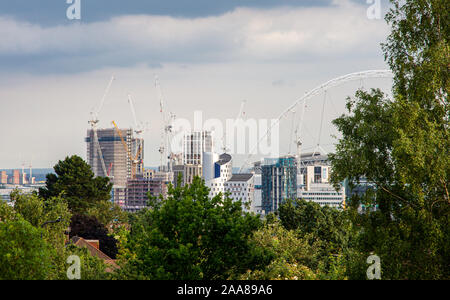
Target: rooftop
(224,158)
(241,177)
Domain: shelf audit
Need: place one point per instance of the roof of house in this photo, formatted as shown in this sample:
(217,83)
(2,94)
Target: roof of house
(80,242)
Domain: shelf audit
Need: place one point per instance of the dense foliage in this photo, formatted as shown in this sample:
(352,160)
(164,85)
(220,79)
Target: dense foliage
(401,146)
(75,181)
(32,248)
(191,236)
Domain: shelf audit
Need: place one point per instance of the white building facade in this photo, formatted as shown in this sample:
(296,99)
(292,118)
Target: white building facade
(217,170)
(313,182)
(241,187)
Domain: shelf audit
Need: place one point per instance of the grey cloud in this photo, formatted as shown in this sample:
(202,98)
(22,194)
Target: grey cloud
(244,34)
(53,12)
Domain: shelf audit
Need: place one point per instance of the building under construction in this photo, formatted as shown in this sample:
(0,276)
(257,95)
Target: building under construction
(120,157)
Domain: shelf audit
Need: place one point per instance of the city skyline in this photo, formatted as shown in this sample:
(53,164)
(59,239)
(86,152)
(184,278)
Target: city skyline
(268,54)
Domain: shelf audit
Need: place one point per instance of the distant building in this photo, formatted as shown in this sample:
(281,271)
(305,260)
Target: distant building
(241,188)
(187,173)
(23,178)
(194,145)
(314,184)
(257,194)
(217,170)
(16,177)
(3,177)
(139,189)
(278,182)
(120,163)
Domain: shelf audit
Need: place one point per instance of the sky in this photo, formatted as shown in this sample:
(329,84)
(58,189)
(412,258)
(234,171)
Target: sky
(209,56)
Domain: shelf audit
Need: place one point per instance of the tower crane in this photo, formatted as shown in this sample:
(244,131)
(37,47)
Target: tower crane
(93,122)
(139,128)
(168,118)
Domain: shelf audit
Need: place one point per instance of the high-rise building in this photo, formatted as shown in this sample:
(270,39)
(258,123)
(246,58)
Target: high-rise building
(314,181)
(120,163)
(194,145)
(278,182)
(217,170)
(257,195)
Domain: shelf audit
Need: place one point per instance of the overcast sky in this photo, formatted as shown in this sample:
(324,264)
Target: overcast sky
(209,56)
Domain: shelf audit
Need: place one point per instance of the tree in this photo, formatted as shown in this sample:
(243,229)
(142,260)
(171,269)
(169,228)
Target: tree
(91,267)
(288,256)
(88,227)
(29,241)
(328,226)
(109,214)
(37,211)
(190,236)
(402,145)
(24,255)
(75,181)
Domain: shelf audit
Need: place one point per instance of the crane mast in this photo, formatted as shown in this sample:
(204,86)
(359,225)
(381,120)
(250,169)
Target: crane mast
(164,149)
(240,115)
(139,129)
(93,122)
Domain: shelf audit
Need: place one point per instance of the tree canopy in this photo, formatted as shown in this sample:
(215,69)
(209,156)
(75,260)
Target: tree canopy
(75,181)
(191,236)
(401,146)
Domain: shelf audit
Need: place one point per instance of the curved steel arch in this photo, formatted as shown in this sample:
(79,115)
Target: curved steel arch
(323,87)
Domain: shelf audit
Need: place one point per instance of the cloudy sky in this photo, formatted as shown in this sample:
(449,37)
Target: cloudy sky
(209,56)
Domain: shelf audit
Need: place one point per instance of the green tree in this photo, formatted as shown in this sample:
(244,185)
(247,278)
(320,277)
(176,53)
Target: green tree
(24,254)
(109,214)
(333,228)
(190,236)
(91,267)
(26,232)
(288,256)
(75,181)
(402,145)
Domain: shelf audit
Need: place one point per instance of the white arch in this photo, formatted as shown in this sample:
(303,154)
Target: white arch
(323,87)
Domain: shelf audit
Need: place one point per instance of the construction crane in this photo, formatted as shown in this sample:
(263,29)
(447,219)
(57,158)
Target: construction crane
(240,116)
(93,122)
(134,160)
(168,118)
(139,128)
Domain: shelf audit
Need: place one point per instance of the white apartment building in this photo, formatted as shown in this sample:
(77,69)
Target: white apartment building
(217,170)
(241,187)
